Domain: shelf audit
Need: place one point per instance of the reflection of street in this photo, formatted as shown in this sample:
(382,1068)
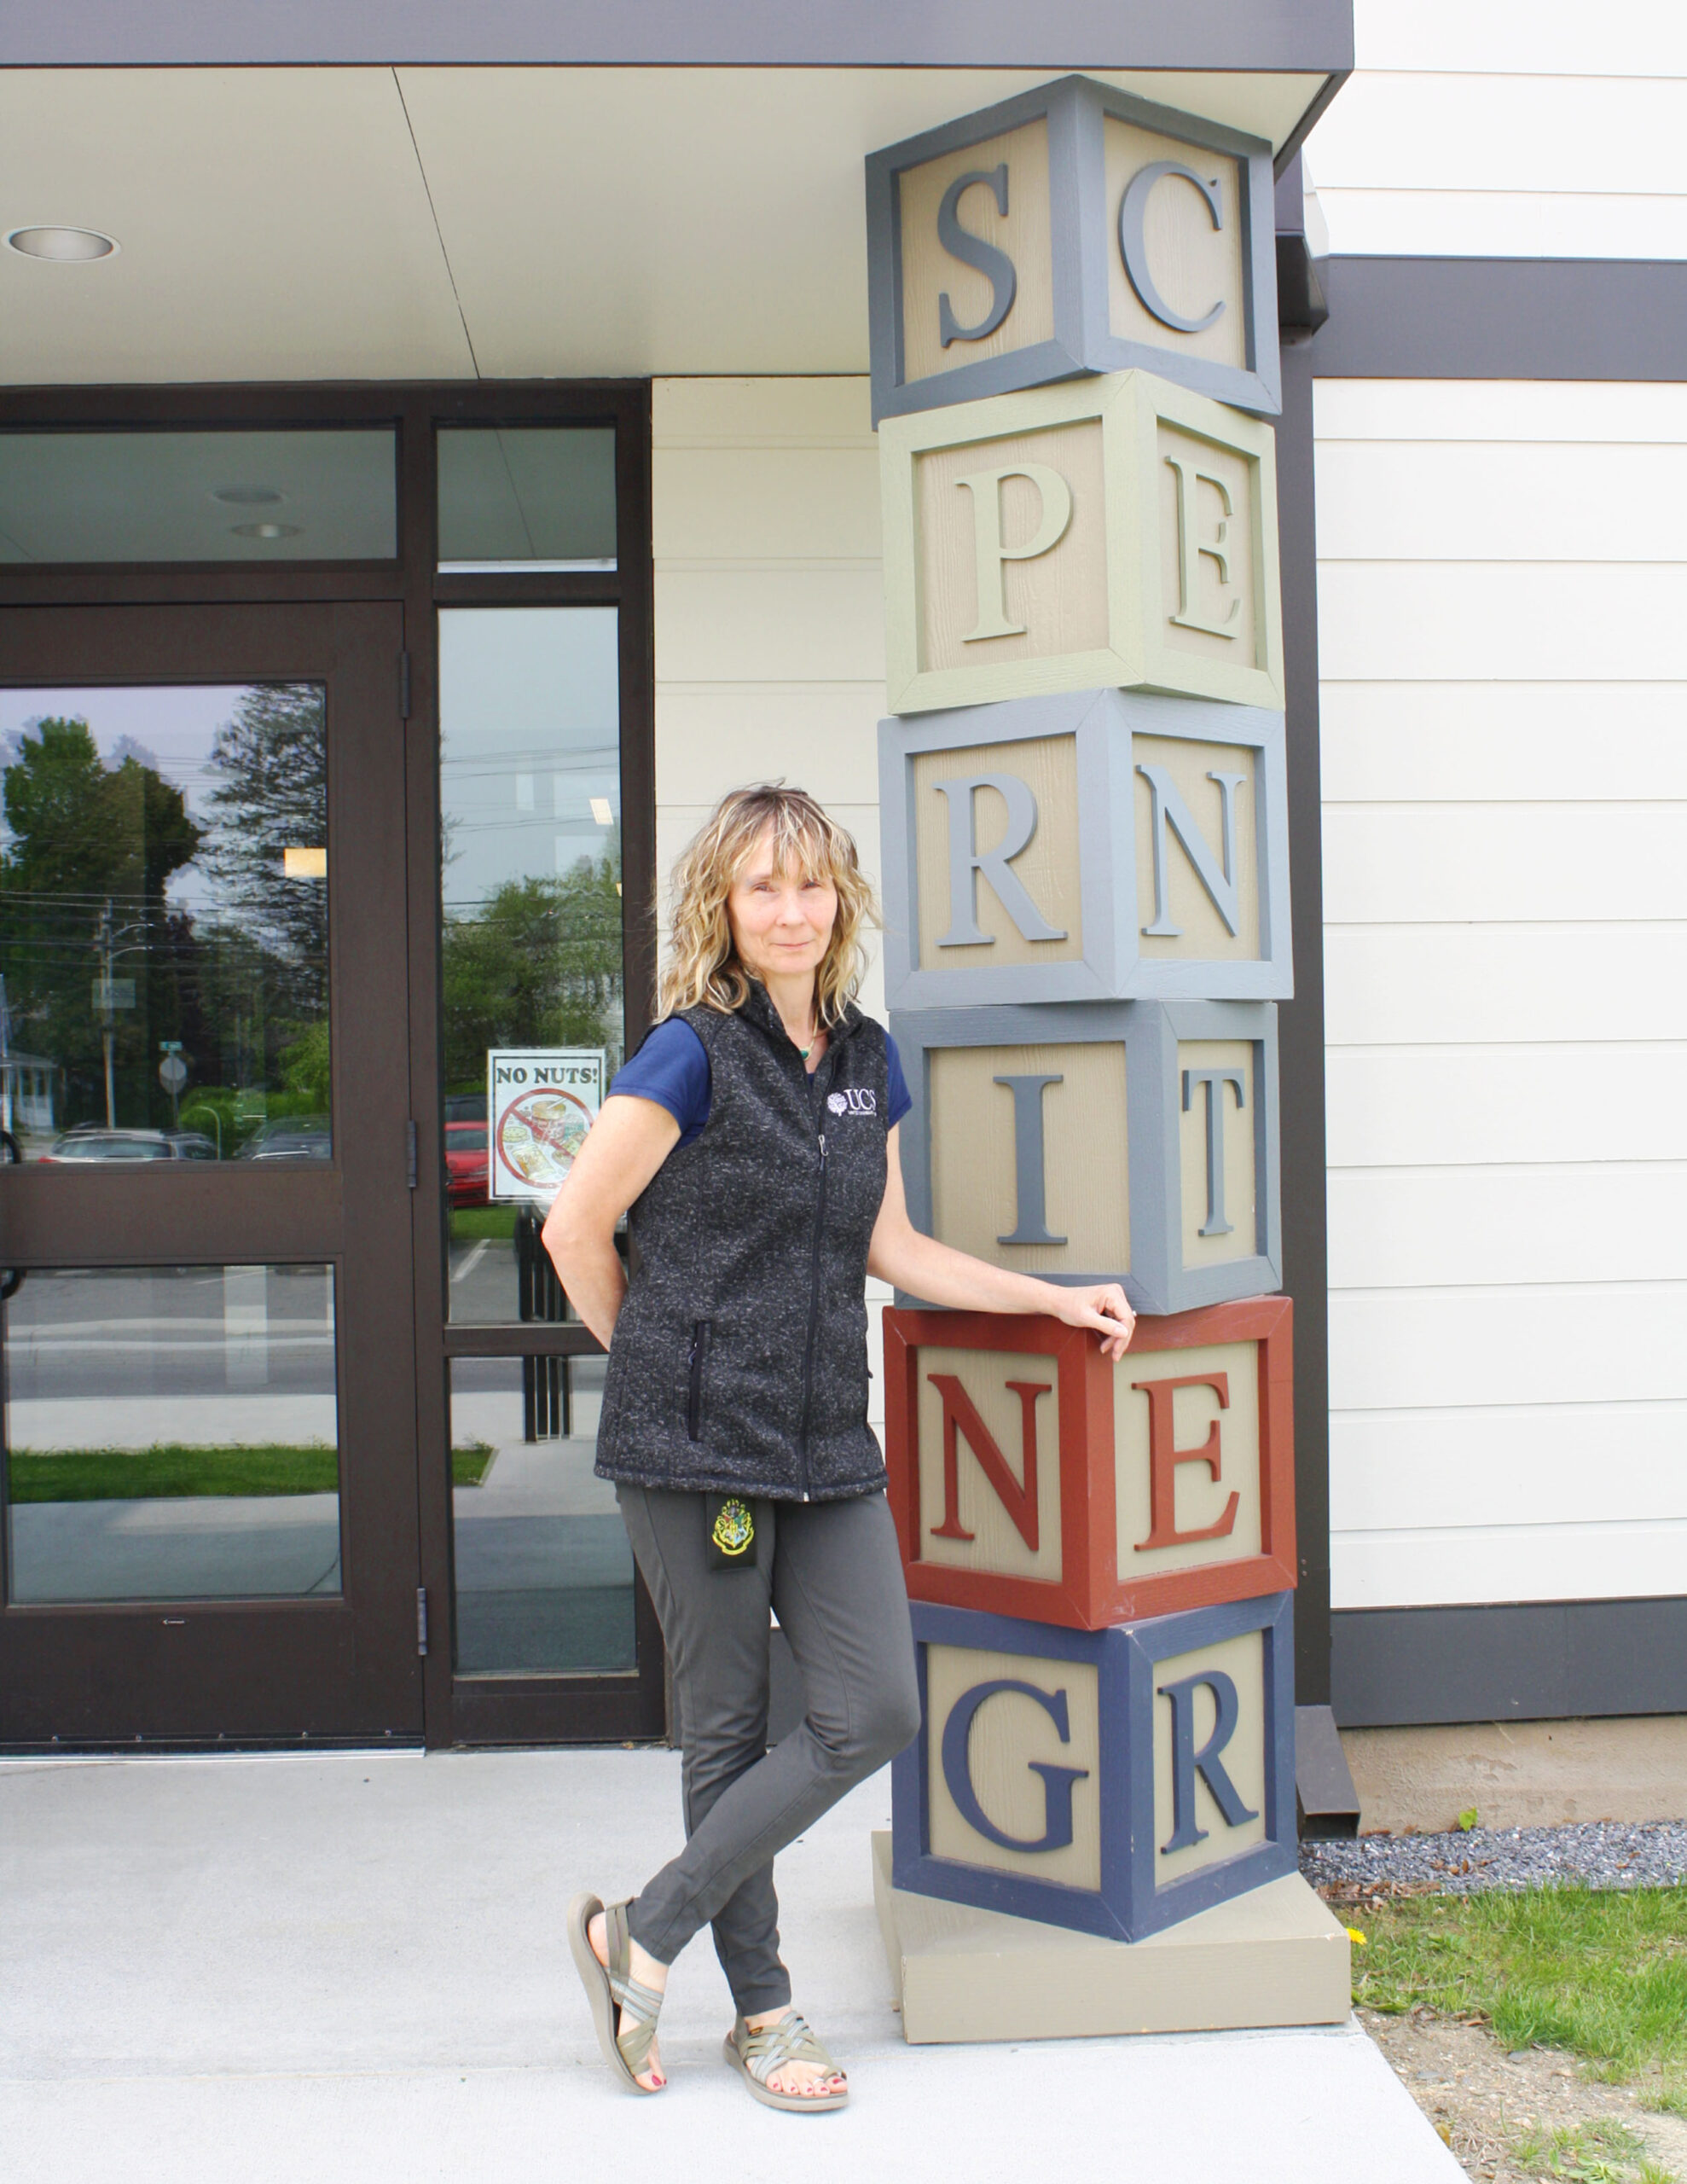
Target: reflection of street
(219,1359)
(483,1278)
(544,1575)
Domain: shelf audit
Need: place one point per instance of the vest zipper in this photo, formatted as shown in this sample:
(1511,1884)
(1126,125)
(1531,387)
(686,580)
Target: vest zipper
(813,1327)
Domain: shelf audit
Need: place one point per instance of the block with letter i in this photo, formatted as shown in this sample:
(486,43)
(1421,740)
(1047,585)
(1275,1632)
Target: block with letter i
(1031,1478)
(1132,1142)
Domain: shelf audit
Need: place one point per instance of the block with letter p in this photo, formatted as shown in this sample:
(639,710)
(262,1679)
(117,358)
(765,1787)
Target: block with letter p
(1114,1781)
(1097,844)
(1030,1478)
(1132,1142)
(1106,532)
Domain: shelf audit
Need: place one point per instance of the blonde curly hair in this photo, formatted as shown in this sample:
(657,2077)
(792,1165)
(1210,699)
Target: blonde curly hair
(702,969)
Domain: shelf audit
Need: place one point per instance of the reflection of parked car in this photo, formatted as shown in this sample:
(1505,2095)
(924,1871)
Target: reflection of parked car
(295,1138)
(85,1144)
(188,1144)
(465,1106)
(465,1163)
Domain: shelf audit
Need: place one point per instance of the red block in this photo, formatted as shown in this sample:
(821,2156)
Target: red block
(1030,1478)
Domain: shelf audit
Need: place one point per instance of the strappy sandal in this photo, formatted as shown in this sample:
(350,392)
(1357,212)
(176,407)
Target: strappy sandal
(614,1988)
(757,2055)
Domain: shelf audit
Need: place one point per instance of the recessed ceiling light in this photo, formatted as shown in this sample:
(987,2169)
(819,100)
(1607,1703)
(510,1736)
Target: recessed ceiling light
(246,497)
(63,246)
(264,530)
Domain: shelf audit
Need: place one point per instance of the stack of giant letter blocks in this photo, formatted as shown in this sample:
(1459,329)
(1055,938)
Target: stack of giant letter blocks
(1086,886)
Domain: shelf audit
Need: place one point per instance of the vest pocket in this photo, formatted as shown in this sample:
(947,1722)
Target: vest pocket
(700,1332)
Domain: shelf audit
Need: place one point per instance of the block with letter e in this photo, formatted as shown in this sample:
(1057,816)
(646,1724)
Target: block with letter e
(1115,1782)
(1030,1478)
(1072,228)
(1132,1142)
(1092,845)
(1116,532)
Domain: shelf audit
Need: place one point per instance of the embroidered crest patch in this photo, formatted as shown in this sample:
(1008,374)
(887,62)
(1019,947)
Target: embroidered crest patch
(734,1528)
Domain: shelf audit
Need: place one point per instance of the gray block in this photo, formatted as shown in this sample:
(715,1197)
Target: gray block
(1087,235)
(1158,1278)
(1273,1957)
(1230,862)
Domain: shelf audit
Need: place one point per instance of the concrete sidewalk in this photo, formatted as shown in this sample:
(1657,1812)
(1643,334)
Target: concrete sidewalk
(241,1970)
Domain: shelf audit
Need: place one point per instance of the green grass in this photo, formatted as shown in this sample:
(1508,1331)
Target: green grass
(469,1223)
(1601,2153)
(174,1469)
(1599,1973)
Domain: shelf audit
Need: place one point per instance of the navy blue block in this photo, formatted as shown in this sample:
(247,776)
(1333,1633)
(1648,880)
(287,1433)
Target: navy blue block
(1099,1779)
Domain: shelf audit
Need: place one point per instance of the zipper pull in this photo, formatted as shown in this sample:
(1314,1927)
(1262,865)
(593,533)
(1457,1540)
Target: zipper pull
(822,1148)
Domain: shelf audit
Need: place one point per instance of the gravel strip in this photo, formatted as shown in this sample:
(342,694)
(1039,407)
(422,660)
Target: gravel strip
(1598,1854)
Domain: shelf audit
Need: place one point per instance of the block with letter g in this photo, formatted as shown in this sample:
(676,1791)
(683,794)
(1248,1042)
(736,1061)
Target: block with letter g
(1114,1781)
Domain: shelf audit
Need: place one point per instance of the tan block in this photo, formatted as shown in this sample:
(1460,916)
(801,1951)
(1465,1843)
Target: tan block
(1275,1957)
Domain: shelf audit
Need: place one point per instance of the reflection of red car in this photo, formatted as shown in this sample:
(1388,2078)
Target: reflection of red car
(465,1163)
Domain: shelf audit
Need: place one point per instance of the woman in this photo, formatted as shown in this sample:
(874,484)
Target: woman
(752,1142)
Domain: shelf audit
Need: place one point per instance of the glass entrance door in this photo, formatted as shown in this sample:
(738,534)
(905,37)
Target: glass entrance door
(208,1495)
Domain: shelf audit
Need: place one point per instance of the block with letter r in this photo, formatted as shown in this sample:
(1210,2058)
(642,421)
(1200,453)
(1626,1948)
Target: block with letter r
(1114,1781)
(1030,1478)
(1094,845)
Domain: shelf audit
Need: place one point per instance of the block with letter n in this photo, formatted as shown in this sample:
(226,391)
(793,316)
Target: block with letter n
(1073,228)
(1030,1478)
(1092,845)
(1116,531)
(1132,1142)
(1115,1782)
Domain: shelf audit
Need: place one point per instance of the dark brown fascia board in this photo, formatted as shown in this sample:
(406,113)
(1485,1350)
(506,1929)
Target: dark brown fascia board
(1543,318)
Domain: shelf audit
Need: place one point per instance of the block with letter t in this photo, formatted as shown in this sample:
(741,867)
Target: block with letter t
(1094,845)
(1132,1142)
(1115,1782)
(1028,1476)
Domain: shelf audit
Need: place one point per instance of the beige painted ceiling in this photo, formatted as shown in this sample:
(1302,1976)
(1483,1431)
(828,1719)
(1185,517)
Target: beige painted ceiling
(300,223)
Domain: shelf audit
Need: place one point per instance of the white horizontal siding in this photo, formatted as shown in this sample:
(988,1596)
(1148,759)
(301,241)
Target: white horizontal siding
(769,635)
(1504,769)
(1508,131)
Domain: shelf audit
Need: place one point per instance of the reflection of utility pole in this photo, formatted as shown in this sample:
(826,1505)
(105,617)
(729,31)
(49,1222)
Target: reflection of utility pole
(5,1059)
(107,997)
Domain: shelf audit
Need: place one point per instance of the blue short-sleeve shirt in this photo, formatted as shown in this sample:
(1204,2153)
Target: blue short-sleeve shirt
(672,1068)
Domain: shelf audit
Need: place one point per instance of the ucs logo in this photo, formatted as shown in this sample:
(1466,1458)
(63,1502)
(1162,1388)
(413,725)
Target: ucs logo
(853,1102)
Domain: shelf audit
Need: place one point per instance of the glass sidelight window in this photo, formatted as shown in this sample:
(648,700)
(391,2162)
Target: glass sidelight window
(543,1573)
(530,779)
(171,1434)
(521,498)
(164,924)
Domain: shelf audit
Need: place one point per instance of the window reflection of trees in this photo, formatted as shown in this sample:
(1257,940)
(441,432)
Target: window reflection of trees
(131,924)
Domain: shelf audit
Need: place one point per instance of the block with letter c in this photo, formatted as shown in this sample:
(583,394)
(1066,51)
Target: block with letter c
(1112,1781)
(1073,228)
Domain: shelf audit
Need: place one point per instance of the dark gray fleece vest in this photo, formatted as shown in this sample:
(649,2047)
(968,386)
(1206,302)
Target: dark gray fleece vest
(739,1363)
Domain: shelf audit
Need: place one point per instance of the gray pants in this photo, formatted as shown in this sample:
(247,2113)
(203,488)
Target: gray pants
(832,1571)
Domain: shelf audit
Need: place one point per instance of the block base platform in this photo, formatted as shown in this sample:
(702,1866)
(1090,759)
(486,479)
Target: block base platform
(1273,1957)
